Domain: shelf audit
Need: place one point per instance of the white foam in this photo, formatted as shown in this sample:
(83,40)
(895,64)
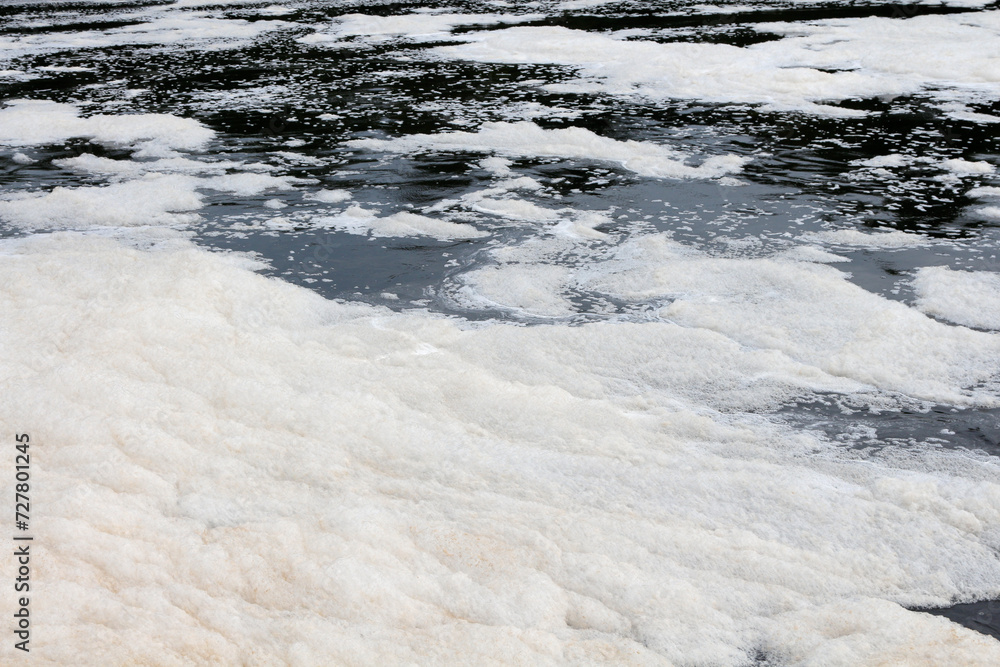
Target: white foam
(567,222)
(176,29)
(960,111)
(92,164)
(988,212)
(248,184)
(764,303)
(940,55)
(566,5)
(517,209)
(65,68)
(358,220)
(810,253)
(892,160)
(330,196)
(235,470)
(155,199)
(210,3)
(583,225)
(971,298)
(278,224)
(505,186)
(298,158)
(500,202)
(158,200)
(531,289)
(854,237)
(983,192)
(526,139)
(39,122)
(967,167)
(497,166)
(422,26)
(275,10)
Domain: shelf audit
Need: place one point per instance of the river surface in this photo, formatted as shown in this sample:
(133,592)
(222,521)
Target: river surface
(532,333)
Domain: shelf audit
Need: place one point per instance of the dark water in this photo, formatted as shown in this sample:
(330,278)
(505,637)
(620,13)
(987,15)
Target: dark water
(980,616)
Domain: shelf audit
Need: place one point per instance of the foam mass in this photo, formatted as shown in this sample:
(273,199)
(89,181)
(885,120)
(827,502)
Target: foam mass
(971,298)
(237,470)
(41,122)
(526,139)
(813,64)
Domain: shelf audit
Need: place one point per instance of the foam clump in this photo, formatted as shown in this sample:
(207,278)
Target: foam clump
(163,200)
(762,304)
(362,221)
(967,167)
(891,160)
(814,64)
(984,192)
(163,26)
(971,298)
(882,239)
(532,289)
(526,139)
(326,482)
(849,332)
(131,169)
(155,199)
(987,212)
(40,122)
(248,184)
(329,196)
(423,25)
